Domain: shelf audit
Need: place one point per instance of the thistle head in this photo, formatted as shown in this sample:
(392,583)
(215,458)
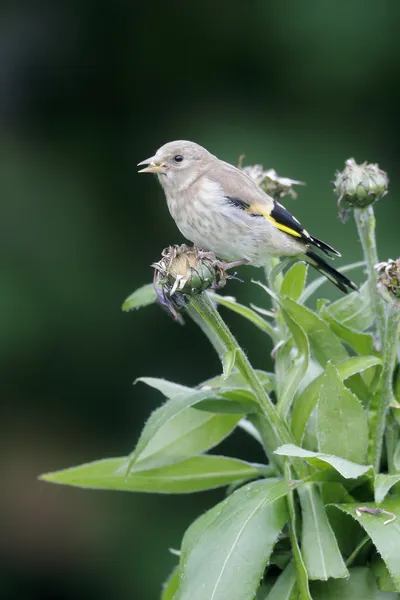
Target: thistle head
(360,185)
(183,272)
(270,182)
(389,280)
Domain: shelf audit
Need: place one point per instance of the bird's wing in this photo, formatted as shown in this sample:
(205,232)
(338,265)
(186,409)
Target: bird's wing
(243,193)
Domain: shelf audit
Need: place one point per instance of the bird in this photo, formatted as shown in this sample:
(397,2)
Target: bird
(220,209)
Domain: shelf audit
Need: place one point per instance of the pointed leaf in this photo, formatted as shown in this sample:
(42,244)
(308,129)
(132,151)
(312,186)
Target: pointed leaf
(385,581)
(361,585)
(170,587)
(236,380)
(301,575)
(294,367)
(362,343)
(168,388)
(354,310)
(142,297)
(231,401)
(305,403)
(176,431)
(294,281)
(228,362)
(348,470)
(192,475)
(324,344)
(383,483)
(386,538)
(285,587)
(319,546)
(342,427)
(225,551)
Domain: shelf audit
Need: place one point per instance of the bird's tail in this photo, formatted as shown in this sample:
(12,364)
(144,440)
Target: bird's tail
(330,273)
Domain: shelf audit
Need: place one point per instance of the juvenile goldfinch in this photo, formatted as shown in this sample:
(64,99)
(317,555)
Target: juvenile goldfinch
(220,209)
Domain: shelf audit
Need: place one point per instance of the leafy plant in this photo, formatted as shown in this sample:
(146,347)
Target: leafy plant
(321,518)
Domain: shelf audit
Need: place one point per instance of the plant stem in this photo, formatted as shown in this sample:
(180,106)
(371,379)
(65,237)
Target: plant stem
(213,338)
(276,431)
(365,221)
(356,550)
(389,356)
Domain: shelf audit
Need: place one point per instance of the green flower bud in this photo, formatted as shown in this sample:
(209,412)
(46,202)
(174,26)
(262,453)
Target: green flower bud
(270,182)
(389,280)
(360,185)
(183,272)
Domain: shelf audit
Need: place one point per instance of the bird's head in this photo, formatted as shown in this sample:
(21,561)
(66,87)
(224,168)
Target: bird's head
(177,163)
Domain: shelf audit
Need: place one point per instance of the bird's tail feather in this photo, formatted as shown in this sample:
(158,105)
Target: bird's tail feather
(341,281)
(326,248)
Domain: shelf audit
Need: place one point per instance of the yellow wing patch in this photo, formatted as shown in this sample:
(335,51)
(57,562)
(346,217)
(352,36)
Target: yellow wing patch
(263,210)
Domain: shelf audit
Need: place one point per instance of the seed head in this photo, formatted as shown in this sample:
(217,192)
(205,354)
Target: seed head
(270,182)
(389,280)
(360,185)
(183,272)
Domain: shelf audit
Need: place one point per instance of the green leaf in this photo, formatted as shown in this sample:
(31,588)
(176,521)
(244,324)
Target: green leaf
(230,401)
(342,427)
(324,344)
(361,585)
(176,431)
(228,362)
(236,380)
(294,281)
(168,388)
(385,581)
(319,546)
(314,285)
(142,297)
(170,587)
(300,568)
(305,403)
(293,368)
(354,310)
(385,537)
(191,475)
(285,587)
(225,551)
(246,312)
(218,399)
(263,590)
(348,470)
(383,483)
(362,343)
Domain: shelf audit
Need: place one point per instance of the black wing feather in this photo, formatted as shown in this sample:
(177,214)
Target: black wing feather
(283,216)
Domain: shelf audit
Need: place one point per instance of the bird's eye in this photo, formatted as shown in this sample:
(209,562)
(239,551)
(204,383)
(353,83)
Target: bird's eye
(178,158)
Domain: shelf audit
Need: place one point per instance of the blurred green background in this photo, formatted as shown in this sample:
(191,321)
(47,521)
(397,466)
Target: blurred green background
(87,89)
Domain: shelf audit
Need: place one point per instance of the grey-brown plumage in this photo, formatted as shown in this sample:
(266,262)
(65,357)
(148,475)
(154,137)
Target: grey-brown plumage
(219,208)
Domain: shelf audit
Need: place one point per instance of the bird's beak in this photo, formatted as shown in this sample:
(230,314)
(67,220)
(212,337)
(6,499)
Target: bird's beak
(154,166)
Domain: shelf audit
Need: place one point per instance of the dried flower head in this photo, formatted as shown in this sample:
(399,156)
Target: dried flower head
(389,280)
(360,185)
(270,182)
(184,271)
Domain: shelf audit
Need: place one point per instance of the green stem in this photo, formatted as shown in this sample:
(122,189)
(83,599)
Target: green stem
(357,550)
(276,431)
(389,357)
(365,221)
(213,338)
